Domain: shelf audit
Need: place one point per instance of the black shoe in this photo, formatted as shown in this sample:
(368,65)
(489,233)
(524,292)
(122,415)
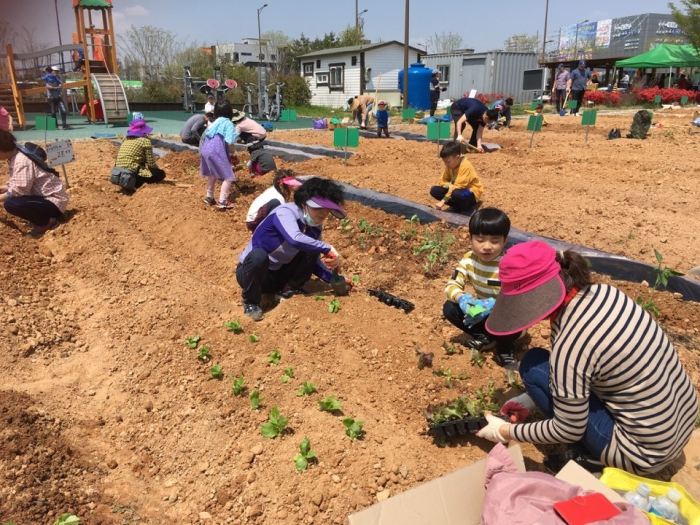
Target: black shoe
(67,127)
(555,462)
(253,311)
(506,358)
(481,342)
(288,292)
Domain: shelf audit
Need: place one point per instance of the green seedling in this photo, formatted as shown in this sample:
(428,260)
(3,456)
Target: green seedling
(255,400)
(238,386)
(362,241)
(334,306)
(513,380)
(329,404)
(451,349)
(306,389)
(234,326)
(353,429)
(477,358)
(435,248)
(276,425)
(302,459)
(288,374)
(67,519)
(253,338)
(216,372)
(274,357)
(663,274)
(204,353)
(345,225)
(369,229)
(355,279)
(192,341)
(449,376)
(413,220)
(319,297)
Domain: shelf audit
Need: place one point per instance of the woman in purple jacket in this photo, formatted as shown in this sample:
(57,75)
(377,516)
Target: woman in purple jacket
(286,248)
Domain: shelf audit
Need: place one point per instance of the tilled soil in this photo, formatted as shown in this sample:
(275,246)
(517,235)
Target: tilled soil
(108,414)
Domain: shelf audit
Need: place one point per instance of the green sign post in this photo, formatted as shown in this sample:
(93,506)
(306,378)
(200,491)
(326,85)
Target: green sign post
(657,100)
(534,124)
(588,120)
(288,115)
(439,130)
(534,104)
(408,113)
(571,104)
(684,100)
(346,138)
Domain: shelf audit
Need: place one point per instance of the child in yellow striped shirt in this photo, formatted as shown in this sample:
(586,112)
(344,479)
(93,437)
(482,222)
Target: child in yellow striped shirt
(488,233)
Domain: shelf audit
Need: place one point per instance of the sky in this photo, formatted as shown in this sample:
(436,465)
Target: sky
(483,28)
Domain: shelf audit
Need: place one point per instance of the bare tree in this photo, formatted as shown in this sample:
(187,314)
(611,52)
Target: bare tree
(444,42)
(27,41)
(275,43)
(522,42)
(8,35)
(152,48)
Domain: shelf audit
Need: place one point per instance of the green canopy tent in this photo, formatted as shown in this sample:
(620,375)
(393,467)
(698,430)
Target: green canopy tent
(664,55)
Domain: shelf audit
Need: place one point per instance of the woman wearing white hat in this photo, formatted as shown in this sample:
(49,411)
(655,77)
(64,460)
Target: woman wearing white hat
(435,90)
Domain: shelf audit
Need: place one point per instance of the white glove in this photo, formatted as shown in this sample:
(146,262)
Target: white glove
(492,430)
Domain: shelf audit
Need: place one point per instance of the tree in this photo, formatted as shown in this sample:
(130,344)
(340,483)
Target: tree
(522,42)
(444,42)
(689,21)
(352,36)
(8,35)
(152,48)
(275,43)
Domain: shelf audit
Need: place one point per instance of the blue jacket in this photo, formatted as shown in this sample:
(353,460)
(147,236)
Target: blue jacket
(283,234)
(579,79)
(382,118)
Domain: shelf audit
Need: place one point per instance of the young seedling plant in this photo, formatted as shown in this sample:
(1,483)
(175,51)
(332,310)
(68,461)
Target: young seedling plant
(306,389)
(204,353)
(513,380)
(663,274)
(334,306)
(255,400)
(319,298)
(67,519)
(353,429)
(451,349)
(274,357)
(345,225)
(234,326)
(424,358)
(216,372)
(329,404)
(477,358)
(238,386)
(276,424)
(449,376)
(288,374)
(253,338)
(193,340)
(305,455)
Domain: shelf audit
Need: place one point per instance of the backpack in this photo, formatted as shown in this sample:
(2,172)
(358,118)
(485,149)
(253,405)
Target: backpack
(640,125)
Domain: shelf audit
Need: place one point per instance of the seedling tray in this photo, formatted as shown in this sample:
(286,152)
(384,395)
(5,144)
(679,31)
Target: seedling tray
(459,427)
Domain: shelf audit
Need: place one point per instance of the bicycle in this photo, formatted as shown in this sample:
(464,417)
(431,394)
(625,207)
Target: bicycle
(277,106)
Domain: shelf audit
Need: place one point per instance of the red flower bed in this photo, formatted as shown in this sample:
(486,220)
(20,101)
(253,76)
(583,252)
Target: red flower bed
(487,99)
(668,95)
(603,98)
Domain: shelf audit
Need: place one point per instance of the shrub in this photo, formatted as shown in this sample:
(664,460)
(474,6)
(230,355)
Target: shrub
(603,98)
(296,92)
(668,95)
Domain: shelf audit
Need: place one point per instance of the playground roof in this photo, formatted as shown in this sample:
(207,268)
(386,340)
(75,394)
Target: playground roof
(351,49)
(92,3)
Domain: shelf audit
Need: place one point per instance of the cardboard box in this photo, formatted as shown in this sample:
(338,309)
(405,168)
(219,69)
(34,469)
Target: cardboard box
(457,497)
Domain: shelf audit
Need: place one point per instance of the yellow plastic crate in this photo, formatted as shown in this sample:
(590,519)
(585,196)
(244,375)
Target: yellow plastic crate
(621,480)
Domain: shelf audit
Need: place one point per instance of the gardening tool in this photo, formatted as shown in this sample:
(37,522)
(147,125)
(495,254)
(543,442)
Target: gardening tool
(562,111)
(338,283)
(376,91)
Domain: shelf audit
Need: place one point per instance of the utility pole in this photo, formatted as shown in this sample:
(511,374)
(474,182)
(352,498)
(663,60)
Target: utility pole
(260,59)
(357,14)
(405,60)
(58,24)
(544,36)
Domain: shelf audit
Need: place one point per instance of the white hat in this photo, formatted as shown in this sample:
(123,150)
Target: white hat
(55,68)
(436,71)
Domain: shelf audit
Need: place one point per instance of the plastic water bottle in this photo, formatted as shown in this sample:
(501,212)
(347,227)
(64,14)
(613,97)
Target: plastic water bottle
(667,506)
(639,497)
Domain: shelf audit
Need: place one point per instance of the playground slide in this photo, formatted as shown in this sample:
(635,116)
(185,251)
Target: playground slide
(111,92)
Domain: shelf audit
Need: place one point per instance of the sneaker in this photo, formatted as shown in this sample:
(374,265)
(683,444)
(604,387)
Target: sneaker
(289,291)
(67,127)
(576,453)
(506,359)
(253,311)
(41,230)
(481,342)
(224,205)
(209,200)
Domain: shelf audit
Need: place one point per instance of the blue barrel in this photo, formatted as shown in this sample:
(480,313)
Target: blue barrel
(418,86)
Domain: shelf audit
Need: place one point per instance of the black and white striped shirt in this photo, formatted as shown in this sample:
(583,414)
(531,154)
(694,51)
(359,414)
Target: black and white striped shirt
(603,343)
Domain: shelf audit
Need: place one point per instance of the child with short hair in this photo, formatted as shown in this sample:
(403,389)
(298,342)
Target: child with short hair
(382,116)
(261,160)
(539,110)
(279,193)
(459,185)
(488,233)
(216,155)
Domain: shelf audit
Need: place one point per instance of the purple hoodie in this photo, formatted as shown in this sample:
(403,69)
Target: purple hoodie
(283,234)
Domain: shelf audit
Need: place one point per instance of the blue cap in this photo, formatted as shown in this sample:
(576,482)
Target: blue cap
(582,63)
(561,66)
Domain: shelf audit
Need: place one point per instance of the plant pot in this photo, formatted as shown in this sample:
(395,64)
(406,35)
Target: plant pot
(458,427)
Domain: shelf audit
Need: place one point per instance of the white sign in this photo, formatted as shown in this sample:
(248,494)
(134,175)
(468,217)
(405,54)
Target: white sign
(60,152)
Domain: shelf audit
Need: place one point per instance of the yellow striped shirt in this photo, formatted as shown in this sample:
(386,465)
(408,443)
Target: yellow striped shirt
(483,276)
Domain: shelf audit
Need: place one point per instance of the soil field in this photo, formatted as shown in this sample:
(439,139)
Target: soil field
(106,412)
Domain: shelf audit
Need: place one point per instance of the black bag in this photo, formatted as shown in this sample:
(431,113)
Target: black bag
(124,178)
(614,134)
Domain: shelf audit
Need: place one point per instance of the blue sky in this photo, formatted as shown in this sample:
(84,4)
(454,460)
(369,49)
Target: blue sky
(226,21)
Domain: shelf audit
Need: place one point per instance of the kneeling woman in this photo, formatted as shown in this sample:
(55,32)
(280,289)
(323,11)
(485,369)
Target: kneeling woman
(286,248)
(136,158)
(612,382)
(34,192)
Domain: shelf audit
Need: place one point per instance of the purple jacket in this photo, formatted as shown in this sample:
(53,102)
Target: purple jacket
(283,234)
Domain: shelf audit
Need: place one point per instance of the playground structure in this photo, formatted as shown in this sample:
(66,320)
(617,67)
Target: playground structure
(216,85)
(271,109)
(92,57)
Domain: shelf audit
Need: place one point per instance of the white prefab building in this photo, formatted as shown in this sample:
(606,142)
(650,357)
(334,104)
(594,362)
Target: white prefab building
(335,75)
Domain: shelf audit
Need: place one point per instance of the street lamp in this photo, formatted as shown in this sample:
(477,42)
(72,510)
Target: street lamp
(357,20)
(544,35)
(576,40)
(260,59)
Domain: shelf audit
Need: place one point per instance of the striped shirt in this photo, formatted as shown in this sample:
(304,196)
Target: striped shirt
(136,155)
(483,276)
(603,343)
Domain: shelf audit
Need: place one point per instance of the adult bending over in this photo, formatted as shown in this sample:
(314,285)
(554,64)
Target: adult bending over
(286,248)
(34,192)
(361,107)
(192,130)
(612,382)
(135,161)
(475,113)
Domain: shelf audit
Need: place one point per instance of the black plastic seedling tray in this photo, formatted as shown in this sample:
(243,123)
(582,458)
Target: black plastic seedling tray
(459,427)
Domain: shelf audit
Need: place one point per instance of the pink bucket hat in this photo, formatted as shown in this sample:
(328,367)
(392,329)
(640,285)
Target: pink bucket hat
(531,288)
